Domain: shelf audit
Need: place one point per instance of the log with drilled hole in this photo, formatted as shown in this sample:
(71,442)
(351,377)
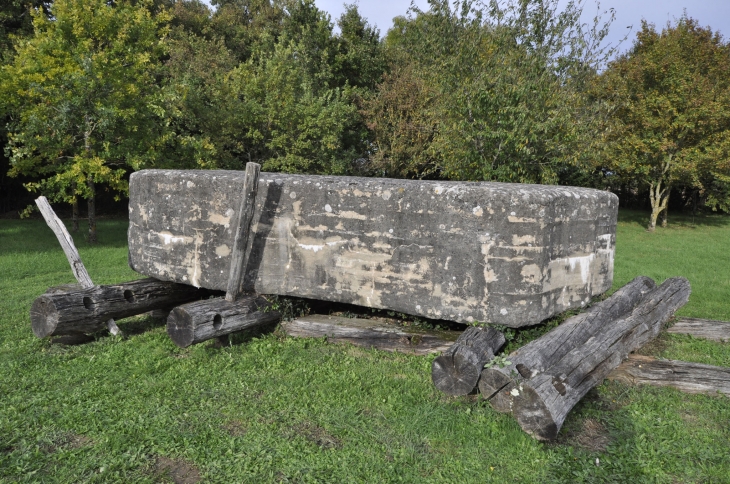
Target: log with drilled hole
(202,320)
(457,370)
(541,403)
(87,310)
(547,350)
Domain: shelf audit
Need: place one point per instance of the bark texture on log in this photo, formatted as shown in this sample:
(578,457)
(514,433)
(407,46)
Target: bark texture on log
(547,350)
(702,328)
(67,243)
(203,320)
(88,310)
(369,333)
(682,375)
(239,260)
(456,372)
(541,403)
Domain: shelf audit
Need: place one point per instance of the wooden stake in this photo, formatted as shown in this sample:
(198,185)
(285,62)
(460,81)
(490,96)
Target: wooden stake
(72,254)
(245,215)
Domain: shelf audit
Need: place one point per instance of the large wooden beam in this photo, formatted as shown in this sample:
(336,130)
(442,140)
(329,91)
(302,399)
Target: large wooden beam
(702,328)
(541,403)
(682,375)
(199,321)
(370,333)
(239,259)
(544,352)
(87,310)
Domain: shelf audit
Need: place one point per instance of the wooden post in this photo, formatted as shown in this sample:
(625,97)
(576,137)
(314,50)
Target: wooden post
(245,215)
(457,370)
(202,320)
(67,243)
(72,254)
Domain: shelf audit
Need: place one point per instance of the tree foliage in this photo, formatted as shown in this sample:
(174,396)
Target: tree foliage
(669,124)
(505,90)
(81,93)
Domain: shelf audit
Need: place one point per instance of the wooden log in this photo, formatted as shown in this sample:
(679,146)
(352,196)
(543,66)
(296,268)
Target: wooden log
(457,370)
(87,310)
(702,328)
(684,376)
(370,333)
(202,320)
(239,261)
(541,403)
(547,350)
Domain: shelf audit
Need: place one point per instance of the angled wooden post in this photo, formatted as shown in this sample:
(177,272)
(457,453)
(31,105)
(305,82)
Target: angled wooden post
(245,215)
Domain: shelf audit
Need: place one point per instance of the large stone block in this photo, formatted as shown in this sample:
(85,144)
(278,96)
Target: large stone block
(505,253)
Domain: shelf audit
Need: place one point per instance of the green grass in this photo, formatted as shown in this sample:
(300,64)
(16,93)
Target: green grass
(276,409)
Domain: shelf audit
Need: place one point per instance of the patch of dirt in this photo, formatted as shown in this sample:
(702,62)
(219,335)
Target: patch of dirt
(654,347)
(235,428)
(592,436)
(65,439)
(178,470)
(317,435)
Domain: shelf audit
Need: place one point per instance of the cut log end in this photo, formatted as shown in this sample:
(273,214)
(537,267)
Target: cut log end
(180,327)
(456,373)
(533,414)
(43,317)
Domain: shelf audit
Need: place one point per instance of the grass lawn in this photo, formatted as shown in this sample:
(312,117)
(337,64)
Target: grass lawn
(276,409)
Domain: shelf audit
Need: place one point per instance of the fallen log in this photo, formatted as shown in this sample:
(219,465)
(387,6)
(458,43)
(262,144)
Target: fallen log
(547,350)
(457,370)
(684,376)
(202,320)
(541,403)
(369,333)
(87,310)
(702,328)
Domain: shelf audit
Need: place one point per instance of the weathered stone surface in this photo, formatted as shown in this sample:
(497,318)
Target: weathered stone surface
(505,253)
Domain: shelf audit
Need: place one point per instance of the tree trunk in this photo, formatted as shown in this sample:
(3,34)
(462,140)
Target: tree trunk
(370,333)
(684,376)
(541,403)
(75,215)
(457,370)
(203,320)
(546,351)
(91,203)
(665,212)
(88,310)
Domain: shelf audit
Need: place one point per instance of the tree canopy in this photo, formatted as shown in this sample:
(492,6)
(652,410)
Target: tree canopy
(668,100)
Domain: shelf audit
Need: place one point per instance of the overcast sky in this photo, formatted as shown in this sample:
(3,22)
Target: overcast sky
(713,13)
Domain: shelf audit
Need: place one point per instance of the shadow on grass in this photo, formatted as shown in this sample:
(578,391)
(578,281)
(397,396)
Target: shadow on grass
(676,219)
(26,236)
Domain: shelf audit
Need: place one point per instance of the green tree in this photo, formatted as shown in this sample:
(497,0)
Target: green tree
(669,124)
(82,94)
(507,82)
